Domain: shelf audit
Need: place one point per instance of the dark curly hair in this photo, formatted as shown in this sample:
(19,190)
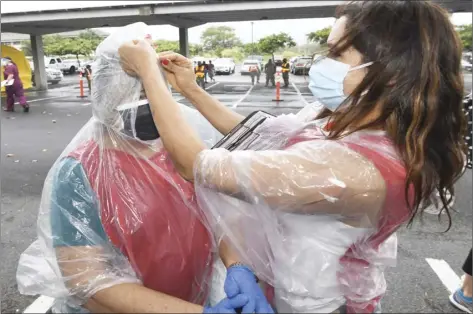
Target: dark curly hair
(416,83)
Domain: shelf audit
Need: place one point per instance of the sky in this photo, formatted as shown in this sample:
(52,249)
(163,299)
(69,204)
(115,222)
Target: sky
(296,28)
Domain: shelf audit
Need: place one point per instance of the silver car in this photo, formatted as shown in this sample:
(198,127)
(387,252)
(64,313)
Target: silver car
(301,65)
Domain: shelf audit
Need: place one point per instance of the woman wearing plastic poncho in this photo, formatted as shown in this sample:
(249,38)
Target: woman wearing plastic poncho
(312,207)
(119,229)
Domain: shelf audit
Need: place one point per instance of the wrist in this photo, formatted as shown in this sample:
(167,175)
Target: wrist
(192,90)
(149,73)
(238,265)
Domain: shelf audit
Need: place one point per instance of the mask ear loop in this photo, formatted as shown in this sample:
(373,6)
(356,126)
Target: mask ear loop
(361,66)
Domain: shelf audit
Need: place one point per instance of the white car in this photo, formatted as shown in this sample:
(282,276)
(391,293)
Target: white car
(66,66)
(245,68)
(466,65)
(301,65)
(54,76)
(224,66)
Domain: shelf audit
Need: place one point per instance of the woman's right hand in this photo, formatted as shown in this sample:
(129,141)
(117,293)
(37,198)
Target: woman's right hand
(179,71)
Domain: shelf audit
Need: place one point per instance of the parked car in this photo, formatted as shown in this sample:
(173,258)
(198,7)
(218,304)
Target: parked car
(224,66)
(466,65)
(54,76)
(255,57)
(468,110)
(245,68)
(66,66)
(278,60)
(300,65)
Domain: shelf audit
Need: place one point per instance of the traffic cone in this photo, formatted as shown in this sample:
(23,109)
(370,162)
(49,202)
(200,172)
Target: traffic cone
(278,88)
(81,86)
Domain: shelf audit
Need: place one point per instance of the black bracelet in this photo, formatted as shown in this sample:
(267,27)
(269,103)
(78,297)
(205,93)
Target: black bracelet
(244,265)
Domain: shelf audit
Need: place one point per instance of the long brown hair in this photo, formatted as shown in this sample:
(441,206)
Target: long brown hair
(416,83)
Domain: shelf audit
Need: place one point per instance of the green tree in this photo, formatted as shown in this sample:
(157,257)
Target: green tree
(272,43)
(465,33)
(54,44)
(217,38)
(166,45)
(251,49)
(26,48)
(173,45)
(320,36)
(84,44)
(236,53)
(195,49)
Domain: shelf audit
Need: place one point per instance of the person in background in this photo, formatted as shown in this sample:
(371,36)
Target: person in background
(258,75)
(468,110)
(200,74)
(269,70)
(206,70)
(211,71)
(285,72)
(462,298)
(254,73)
(16,89)
(88,76)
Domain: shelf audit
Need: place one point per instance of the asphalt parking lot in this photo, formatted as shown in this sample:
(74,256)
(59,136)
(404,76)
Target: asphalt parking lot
(32,142)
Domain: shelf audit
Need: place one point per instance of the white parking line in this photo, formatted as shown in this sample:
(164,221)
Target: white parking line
(243,97)
(299,93)
(40,305)
(35,100)
(209,87)
(445,273)
(237,85)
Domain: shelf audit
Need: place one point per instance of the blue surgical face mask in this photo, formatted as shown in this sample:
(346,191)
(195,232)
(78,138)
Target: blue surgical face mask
(326,78)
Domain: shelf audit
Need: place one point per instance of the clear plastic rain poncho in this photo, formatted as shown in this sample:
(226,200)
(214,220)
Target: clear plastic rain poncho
(113,208)
(314,218)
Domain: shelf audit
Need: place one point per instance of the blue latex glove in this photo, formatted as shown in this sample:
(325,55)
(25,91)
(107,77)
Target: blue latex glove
(241,280)
(227,305)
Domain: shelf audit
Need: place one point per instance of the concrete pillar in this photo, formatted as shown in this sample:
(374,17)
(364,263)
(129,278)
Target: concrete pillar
(40,77)
(184,41)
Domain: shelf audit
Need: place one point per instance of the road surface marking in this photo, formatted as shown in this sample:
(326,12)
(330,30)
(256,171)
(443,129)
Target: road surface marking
(445,273)
(212,86)
(238,85)
(299,93)
(35,100)
(40,305)
(243,97)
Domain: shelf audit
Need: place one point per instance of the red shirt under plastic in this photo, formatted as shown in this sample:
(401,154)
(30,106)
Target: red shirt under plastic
(149,212)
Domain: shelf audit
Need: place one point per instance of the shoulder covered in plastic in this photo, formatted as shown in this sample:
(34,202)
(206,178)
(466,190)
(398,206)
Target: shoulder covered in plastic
(293,178)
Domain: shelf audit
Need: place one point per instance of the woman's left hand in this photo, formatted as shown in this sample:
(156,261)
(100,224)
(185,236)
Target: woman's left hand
(137,57)
(240,280)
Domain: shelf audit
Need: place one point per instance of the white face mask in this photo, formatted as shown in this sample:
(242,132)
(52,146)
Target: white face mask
(326,78)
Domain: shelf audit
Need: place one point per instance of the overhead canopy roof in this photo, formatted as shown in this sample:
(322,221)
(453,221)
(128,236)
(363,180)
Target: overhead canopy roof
(179,14)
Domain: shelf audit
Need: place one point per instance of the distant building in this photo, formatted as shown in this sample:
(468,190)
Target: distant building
(15,40)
